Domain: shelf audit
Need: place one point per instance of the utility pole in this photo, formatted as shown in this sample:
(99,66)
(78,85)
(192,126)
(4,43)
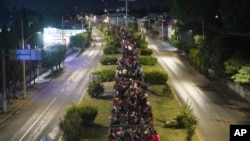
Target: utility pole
(162,29)
(5,110)
(117,20)
(23,63)
(82,21)
(149,24)
(62,31)
(126,10)
(202,22)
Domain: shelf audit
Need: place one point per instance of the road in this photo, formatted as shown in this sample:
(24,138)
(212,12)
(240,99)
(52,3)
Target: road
(39,117)
(214,110)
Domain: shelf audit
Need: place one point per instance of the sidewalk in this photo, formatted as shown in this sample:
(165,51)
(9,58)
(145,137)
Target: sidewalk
(14,104)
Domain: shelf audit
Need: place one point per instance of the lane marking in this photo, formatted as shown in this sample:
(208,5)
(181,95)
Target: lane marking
(62,90)
(37,119)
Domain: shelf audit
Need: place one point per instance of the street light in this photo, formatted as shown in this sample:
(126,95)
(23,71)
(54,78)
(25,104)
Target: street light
(149,28)
(202,22)
(23,62)
(82,21)
(162,28)
(126,11)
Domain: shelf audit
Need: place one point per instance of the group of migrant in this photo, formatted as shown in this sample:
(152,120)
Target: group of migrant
(131,116)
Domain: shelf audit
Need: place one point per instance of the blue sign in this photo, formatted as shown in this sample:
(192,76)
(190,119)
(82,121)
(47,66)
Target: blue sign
(25,54)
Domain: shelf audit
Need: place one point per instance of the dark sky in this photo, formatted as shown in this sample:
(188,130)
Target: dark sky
(82,4)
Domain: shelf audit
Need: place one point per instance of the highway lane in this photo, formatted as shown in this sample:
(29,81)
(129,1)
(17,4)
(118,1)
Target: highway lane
(215,111)
(39,117)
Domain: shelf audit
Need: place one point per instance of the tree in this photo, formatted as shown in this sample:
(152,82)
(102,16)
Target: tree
(95,88)
(186,119)
(233,64)
(53,56)
(80,40)
(243,75)
(75,121)
(224,24)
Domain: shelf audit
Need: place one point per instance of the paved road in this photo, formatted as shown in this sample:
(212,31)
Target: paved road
(39,117)
(214,110)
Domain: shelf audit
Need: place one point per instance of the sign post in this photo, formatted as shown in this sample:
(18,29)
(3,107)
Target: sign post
(23,55)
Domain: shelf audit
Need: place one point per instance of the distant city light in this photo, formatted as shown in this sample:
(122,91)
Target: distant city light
(59,36)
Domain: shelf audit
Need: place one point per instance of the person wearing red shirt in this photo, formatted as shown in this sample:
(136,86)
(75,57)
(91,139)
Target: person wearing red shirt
(156,136)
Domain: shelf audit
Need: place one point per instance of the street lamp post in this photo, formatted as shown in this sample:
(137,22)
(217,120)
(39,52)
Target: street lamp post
(82,21)
(202,22)
(4,97)
(149,24)
(126,11)
(89,24)
(23,62)
(117,21)
(162,29)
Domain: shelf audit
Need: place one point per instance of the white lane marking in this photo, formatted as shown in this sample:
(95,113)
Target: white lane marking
(37,119)
(62,90)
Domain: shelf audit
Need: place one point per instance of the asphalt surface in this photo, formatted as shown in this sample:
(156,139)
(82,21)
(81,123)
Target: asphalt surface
(215,106)
(233,99)
(37,116)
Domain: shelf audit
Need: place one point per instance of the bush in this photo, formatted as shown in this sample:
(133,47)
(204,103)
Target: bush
(166,91)
(75,120)
(148,60)
(140,40)
(88,115)
(107,60)
(110,50)
(173,42)
(105,75)
(95,88)
(154,33)
(142,44)
(186,118)
(146,52)
(156,77)
(113,42)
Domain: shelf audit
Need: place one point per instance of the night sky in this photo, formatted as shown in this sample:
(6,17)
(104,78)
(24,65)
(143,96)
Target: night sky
(82,4)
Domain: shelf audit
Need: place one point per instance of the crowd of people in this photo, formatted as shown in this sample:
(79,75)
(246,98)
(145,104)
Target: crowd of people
(131,117)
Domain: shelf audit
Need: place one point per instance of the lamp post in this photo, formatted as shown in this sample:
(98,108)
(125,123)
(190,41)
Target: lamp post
(82,21)
(162,29)
(117,21)
(23,62)
(202,22)
(4,97)
(126,11)
(89,24)
(149,24)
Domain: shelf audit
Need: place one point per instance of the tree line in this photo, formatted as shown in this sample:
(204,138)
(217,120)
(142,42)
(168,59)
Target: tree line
(11,36)
(215,34)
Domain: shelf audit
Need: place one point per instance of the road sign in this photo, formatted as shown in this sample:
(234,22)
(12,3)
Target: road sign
(25,54)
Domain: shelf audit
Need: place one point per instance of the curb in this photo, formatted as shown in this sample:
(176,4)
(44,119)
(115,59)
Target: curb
(9,114)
